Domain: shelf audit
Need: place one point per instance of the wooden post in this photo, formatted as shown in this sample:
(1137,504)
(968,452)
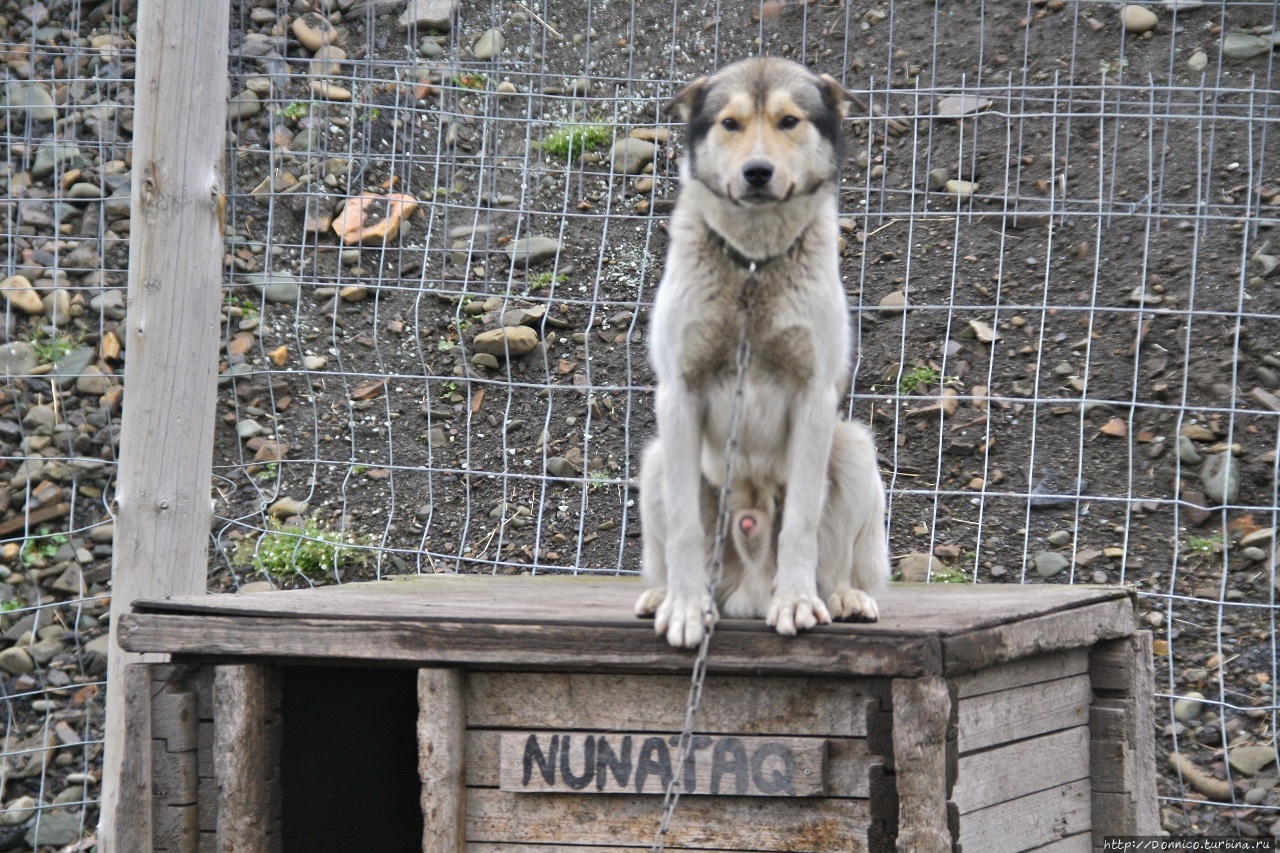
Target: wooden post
(175,277)
(1122,739)
(921,714)
(241,704)
(442,759)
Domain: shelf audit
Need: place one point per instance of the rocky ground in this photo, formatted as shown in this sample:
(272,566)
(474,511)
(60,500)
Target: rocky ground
(1060,243)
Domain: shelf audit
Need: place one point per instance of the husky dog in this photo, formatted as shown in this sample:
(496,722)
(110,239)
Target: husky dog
(753,252)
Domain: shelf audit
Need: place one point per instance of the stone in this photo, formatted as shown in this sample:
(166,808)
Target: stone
(506,342)
(429,14)
(256,586)
(18,810)
(92,382)
(1220,475)
(249,428)
(1250,759)
(72,366)
(16,661)
(558,466)
(1138,19)
(247,104)
(1258,538)
(314,362)
(1244,45)
(329,91)
(111,303)
(963,189)
(53,156)
(916,567)
(278,287)
(1059,538)
(1050,563)
(938,179)
(18,292)
(532,250)
(57,306)
(893,302)
(1199,60)
(485,360)
(959,106)
(1187,453)
(35,98)
(629,156)
(287,507)
(1188,707)
(313,30)
(56,828)
(489,45)
(328,60)
(17,359)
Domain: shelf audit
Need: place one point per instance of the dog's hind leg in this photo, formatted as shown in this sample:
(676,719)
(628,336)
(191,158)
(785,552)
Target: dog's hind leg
(653,560)
(853,551)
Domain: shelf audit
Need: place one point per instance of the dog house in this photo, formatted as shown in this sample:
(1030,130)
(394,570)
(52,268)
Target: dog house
(535,714)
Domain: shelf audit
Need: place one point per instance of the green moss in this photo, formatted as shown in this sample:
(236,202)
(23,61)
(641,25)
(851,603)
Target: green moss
(573,139)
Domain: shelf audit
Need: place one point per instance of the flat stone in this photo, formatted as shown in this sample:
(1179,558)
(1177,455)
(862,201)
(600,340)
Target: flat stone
(1244,45)
(629,156)
(57,828)
(1050,563)
(1199,60)
(92,382)
(111,303)
(1058,538)
(328,60)
(53,156)
(533,250)
(1258,538)
(506,342)
(19,293)
(1188,707)
(329,91)
(72,366)
(17,358)
(1138,19)
(1250,759)
(959,106)
(286,507)
(558,466)
(963,189)
(35,98)
(429,14)
(1187,453)
(894,302)
(18,810)
(489,45)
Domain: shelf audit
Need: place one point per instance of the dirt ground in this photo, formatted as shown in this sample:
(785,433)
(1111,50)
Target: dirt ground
(1079,333)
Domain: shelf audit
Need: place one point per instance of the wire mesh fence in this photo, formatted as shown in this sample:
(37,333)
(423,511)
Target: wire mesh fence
(445,224)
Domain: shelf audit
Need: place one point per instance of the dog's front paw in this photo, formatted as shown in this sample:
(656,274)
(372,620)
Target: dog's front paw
(790,614)
(648,602)
(852,605)
(684,620)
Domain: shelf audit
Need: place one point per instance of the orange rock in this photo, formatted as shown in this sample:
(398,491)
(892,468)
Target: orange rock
(352,224)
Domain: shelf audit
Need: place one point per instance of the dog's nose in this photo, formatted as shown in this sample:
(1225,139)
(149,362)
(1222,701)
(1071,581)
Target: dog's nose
(757,172)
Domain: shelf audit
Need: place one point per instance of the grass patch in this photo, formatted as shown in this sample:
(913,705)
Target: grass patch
(469,80)
(946,574)
(42,548)
(1205,546)
(918,378)
(51,347)
(311,550)
(546,279)
(574,139)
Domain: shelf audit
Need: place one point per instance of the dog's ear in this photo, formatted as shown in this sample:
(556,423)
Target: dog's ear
(685,103)
(836,96)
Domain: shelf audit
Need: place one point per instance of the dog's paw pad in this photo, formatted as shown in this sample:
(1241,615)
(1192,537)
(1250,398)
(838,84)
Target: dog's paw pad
(853,605)
(791,614)
(684,621)
(649,601)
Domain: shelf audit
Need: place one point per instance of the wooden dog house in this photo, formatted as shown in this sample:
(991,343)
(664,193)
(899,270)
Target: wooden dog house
(526,715)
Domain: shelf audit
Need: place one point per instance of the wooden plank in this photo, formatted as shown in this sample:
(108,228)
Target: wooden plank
(442,697)
(1023,712)
(242,763)
(741,645)
(730,704)
(1024,767)
(133,830)
(1020,673)
(641,763)
(560,848)
(1082,843)
(848,763)
(1065,629)
(905,609)
(174,766)
(1028,822)
(163,510)
(730,823)
(1123,749)
(921,713)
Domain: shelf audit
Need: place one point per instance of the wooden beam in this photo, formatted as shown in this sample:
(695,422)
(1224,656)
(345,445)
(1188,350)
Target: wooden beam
(921,714)
(442,754)
(175,277)
(241,704)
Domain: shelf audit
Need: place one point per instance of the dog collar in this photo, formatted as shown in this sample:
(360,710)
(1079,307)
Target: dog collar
(749,264)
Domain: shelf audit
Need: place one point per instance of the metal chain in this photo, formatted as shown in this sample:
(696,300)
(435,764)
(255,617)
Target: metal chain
(723,519)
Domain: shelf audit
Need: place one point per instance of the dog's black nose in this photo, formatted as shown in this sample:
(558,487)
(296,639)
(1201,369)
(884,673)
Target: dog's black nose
(757,172)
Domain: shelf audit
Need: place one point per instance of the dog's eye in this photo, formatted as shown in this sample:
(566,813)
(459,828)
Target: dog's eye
(730,124)
(788,122)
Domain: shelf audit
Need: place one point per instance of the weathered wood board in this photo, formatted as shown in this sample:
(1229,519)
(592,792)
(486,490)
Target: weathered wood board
(1022,767)
(1028,822)
(644,763)
(1024,712)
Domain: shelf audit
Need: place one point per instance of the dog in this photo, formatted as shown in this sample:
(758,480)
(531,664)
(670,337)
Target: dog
(753,252)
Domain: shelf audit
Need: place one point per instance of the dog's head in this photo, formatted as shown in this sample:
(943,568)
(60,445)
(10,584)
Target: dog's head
(763,131)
